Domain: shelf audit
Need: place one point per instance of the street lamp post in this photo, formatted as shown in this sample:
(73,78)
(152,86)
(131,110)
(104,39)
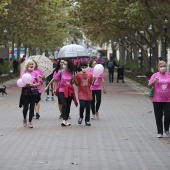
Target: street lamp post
(150,49)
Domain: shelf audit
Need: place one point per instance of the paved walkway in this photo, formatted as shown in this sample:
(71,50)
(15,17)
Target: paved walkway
(124,138)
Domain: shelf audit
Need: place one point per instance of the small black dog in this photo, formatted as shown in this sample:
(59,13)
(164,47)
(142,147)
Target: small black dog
(3,90)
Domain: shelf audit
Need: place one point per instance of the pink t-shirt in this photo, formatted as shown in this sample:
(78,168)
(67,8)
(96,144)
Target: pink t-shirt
(84,83)
(161,88)
(40,87)
(34,75)
(66,78)
(98,82)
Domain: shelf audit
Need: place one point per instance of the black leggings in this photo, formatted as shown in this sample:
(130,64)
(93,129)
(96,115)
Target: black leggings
(38,98)
(96,94)
(29,100)
(85,104)
(160,109)
(66,103)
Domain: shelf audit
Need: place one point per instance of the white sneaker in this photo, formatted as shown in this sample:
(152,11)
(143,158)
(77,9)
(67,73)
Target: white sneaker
(30,125)
(67,124)
(25,123)
(167,133)
(97,115)
(48,98)
(93,117)
(159,136)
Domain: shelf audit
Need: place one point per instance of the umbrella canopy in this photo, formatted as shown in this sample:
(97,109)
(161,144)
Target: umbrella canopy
(72,51)
(44,64)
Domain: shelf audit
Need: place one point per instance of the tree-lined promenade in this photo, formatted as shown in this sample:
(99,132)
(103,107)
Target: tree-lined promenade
(136,27)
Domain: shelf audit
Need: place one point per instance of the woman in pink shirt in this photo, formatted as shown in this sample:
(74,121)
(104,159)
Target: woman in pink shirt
(96,91)
(56,84)
(27,97)
(42,79)
(65,89)
(160,81)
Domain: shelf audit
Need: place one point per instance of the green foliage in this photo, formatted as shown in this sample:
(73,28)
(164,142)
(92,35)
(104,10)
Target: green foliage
(132,66)
(4,68)
(42,24)
(3,4)
(133,77)
(102,21)
(8,77)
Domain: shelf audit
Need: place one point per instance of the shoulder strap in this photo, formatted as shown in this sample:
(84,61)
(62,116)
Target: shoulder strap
(61,72)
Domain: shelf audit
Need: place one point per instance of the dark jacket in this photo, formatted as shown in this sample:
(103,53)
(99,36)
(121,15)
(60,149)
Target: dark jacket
(15,64)
(114,64)
(22,95)
(21,98)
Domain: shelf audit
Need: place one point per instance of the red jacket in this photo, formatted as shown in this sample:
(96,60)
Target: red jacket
(68,91)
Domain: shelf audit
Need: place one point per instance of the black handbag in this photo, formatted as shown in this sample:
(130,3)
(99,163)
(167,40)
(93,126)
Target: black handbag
(34,91)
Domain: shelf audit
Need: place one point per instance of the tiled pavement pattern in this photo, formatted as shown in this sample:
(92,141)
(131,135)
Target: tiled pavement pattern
(124,138)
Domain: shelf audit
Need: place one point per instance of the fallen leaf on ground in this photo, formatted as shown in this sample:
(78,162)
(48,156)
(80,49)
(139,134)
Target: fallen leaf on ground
(43,162)
(74,163)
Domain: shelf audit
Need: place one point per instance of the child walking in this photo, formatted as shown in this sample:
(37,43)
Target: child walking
(84,80)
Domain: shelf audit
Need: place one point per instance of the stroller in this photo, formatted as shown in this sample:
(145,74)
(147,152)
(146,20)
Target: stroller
(120,74)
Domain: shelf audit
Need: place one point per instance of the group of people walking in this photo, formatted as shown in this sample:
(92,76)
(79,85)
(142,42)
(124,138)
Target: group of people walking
(63,79)
(90,90)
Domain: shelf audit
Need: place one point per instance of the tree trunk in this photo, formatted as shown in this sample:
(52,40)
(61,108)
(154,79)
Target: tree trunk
(18,49)
(25,51)
(13,47)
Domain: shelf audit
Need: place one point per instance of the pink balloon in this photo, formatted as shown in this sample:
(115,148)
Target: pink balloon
(20,83)
(98,70)
(26,78)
